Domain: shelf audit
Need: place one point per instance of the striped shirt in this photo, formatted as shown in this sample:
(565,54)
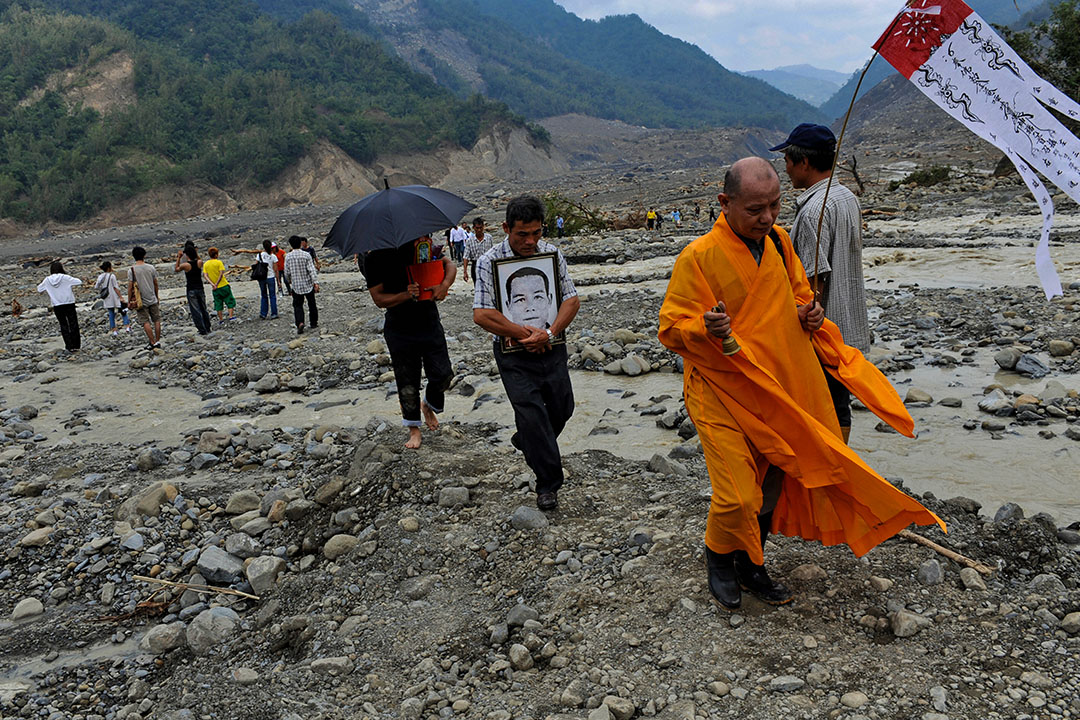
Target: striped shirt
(840,256)
(484,295)
(300,272)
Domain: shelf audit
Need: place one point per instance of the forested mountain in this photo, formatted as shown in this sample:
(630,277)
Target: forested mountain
(542,60)
(1000,12)
(212,90)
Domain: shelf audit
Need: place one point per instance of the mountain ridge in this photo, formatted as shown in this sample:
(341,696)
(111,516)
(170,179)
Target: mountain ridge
(235,104)
(806,82)
(543,61)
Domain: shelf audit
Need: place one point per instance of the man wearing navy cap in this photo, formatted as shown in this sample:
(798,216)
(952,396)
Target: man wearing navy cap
(808,155)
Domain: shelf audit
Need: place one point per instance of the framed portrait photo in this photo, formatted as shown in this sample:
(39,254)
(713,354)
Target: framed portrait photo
(528,292)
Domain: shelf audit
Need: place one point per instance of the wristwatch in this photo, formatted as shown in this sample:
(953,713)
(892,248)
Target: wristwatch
(551,337)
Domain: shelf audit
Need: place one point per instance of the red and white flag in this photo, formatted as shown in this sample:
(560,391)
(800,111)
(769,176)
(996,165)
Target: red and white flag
(957,60)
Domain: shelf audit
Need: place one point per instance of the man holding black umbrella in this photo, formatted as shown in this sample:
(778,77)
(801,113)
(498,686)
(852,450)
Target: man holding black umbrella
(394,226)
(413,332)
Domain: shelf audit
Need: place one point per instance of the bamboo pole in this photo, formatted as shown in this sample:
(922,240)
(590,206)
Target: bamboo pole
(942,550)
(197,587)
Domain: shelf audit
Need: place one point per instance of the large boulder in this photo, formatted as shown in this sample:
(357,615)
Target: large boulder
(262,572)
(162,638)
(211,628)
(218,566)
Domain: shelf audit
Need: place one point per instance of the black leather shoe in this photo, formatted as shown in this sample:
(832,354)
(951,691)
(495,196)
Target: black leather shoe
(723,585)
(755,580)
(547,501)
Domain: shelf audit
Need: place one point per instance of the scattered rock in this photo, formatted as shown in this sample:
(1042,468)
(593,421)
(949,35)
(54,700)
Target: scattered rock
(971,579)
(786,683)
(528,518)
(27,607)
(905,623)
(339,545)
(268,383)
(218,566)
(453,496)
(916,396)
(211,628)
(1060,348)
(930,573)
(1008,358)
(160,639)
(262,573)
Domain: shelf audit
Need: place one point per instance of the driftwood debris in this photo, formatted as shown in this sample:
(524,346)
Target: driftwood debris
(951,554)
(196,587)
(853,168)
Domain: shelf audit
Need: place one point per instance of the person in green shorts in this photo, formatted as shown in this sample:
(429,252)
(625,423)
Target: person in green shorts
(214,272)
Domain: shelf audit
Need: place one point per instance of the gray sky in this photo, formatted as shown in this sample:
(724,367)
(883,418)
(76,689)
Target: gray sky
(762,34)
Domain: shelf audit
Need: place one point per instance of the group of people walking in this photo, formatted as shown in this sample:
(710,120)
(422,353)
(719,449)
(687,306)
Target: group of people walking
(767,372)
(295,272)
(769,326)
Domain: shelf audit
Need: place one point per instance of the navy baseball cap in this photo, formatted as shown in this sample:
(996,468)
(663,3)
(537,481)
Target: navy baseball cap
(809,136)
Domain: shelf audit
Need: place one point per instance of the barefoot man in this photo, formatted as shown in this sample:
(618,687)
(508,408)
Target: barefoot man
(414,334)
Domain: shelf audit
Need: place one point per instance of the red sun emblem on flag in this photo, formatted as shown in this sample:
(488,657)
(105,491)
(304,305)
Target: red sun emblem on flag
(917,31)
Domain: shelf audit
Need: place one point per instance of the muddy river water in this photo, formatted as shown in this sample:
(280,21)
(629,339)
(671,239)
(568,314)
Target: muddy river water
(1014,466)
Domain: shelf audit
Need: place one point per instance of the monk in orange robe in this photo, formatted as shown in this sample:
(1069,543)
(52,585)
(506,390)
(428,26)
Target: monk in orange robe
(772,443)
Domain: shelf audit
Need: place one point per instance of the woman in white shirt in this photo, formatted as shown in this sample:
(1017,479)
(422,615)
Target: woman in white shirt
(267,285)
(59,288)
(108,288)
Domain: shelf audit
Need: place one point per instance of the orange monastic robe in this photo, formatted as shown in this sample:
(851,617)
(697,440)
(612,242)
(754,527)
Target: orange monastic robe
(769,404)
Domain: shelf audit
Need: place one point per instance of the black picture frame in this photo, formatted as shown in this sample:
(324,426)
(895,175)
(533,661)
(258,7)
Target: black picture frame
(512,298)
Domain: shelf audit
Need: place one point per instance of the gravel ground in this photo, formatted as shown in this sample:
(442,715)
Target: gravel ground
(425,585)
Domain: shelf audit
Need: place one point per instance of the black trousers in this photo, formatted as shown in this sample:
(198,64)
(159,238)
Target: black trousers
(69,325)
(298,309)
(539,389)
(196,301)
(416,343)
(841,398)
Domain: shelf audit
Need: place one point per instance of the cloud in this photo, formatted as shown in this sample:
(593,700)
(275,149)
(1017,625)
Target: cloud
(833,34)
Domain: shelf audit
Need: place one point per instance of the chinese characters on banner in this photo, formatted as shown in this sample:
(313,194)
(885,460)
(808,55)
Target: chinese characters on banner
(957,60)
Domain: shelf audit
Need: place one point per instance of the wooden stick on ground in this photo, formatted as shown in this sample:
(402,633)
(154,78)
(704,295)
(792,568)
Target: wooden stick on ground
(951,554)
(196,587)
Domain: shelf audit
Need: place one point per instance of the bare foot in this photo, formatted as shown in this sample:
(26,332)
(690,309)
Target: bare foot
(430,418)
(413,442)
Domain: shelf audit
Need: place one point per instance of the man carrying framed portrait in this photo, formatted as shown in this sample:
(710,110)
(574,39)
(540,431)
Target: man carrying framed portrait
(524,296)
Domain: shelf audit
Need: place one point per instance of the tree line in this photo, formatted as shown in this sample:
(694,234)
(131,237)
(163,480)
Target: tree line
(224,93)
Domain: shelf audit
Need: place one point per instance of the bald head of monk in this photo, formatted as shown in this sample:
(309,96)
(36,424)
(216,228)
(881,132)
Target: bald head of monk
(751,197)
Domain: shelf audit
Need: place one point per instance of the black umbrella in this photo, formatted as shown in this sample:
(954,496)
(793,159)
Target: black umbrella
(394,216)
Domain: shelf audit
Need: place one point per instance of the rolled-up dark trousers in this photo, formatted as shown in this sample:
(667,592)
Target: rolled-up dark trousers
(538,387)
(298,309)
(69,325)
(841,398)
(415,344)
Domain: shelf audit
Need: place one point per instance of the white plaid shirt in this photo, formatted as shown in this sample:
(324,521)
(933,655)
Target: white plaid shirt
(484,295)
(475,248)
(841,256)
(300,272)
